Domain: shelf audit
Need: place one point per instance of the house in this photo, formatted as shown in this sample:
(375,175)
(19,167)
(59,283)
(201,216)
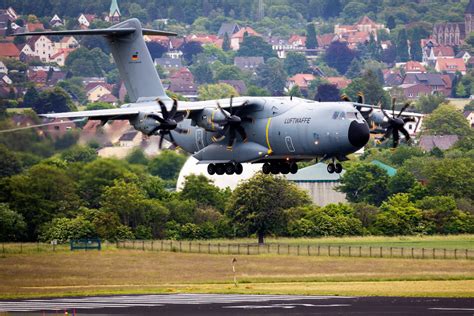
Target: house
(3,68)
(453,34)
(39,77)
(469,115)
(130,139)
(183,74)
(443,142)
(42,47)
(282,46)
(58,127)
(109,98)
(95,90)
(9,50)
(392,77)
(184,87)
(364,26)
(413,91)
(5,80)
(114,13)
(10,13)
(26,49)
(320,185)
(248,63)
(325,40)
(450,65)
(60,56)
(169,63)
(339,82)
(162,40)
(239,85)
(438,83)
(205,39)
(414,67)
(34,27)
(301,80)
(464,55)
(229,29)
(297,40)
(238,37)
(66,42)
(56,21)
(85,20)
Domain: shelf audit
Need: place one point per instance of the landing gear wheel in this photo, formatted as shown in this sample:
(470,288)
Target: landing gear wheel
(211,169)
(229,168)
(238,168)
(331,168)
(274,168)
(338,168)
(266,168)
(285,168)
(220,170)
(293,167)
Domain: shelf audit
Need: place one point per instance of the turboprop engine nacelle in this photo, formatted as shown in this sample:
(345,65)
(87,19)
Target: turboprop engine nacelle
(210,119)
(144,123)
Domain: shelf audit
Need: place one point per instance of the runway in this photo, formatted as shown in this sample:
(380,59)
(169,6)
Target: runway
(219,304)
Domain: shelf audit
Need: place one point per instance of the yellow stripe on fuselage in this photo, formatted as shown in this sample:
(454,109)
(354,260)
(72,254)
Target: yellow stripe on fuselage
(267,129)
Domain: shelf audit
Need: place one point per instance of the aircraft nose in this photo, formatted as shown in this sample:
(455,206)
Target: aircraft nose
(359,134)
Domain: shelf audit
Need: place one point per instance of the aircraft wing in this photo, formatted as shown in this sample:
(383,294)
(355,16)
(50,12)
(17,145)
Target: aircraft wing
(107,114)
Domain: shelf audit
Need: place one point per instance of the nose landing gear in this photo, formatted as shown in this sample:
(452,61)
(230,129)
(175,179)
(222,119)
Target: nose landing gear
(332,167)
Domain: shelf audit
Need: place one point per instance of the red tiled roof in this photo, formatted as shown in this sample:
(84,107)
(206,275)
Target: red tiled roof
(297,38)
(340,82)
(241,32)
(302,80)
(443,51)
(414,66)
(450,64)
(9,50)
(325,39)
(34,26)
(365,20)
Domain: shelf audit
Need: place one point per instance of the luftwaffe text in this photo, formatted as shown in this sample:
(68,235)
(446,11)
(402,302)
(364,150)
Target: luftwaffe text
(297,120)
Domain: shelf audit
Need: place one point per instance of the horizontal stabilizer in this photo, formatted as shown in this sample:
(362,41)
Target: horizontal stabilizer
(106,32)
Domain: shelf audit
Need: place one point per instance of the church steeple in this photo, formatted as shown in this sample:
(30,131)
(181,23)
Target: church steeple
(114,13)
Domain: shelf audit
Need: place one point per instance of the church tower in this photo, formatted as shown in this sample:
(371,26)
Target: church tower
(114,13)
(469,18)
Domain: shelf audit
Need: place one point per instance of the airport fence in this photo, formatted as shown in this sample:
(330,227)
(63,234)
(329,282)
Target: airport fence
(37,247)
(296,250)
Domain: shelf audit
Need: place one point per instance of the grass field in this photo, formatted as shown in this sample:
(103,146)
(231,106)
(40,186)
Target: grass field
(115,271)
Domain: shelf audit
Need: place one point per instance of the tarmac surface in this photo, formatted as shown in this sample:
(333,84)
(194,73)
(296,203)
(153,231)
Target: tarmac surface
(226,304)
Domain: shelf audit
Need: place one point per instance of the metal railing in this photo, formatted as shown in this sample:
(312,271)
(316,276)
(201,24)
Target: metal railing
(297,250)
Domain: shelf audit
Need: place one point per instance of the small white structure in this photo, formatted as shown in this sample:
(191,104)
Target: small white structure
(319,183)
(3,68)
(192,167)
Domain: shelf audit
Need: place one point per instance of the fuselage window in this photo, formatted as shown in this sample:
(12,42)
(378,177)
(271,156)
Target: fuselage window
(335,115)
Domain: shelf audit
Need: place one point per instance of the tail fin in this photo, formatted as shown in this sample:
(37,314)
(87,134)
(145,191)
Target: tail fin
(131,56)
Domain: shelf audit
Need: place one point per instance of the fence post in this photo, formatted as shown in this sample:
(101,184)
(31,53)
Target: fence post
(412,253)
(238,249)
(360,251)
(248,249)
(288,248)
(422,253)
(339,251)
(349,251)
(381,250)
(143,245)
(467,257)
(434,253)
(455,253)
(228,248)
(370,251)
(319,250)
(189,246)
(278,249)
(152,245)
(391,253)
(402,252)
(21,247)
(258,249)
(444,253)
(199,247)
(308,250)
(209,248)
(268,248)
(218,248)
(162,245)
(329,251)
(298,250)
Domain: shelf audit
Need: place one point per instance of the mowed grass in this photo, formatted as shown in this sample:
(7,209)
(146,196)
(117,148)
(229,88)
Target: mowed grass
(449,241)
(133,271)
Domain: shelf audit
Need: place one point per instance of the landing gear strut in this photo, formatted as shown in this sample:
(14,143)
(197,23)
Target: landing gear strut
(277,167)
(227,168)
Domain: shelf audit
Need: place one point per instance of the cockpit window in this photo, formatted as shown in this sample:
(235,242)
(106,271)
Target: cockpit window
(342,116)
(335,115)
(351,115)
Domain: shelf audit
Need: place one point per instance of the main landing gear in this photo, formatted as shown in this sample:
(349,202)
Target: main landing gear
(227,168)
(332,167)
(280,167)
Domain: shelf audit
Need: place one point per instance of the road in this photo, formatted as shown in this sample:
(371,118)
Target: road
(219,304)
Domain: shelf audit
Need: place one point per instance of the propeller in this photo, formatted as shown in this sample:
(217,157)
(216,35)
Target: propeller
(168,123)
(232,123)
(396,124)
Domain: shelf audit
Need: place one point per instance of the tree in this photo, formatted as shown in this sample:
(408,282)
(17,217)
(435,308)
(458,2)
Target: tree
(370,86)
(79,154)
(355,69)
(226,42)
(203,191)
(10,164)
(428,103)
(166,165)
(295,63)
(202,72)
(327,92)
(272,76)
(137,157)
(98,105)
(64,229)
(42,193)
(190,49)
(295,92)
(365,182)
(156,49)
(331,8)
(31,98)
(53,100)
(311,39)
(447,120)
(12,224)
(339,56)
(415,49)
(216,91)
(257,205)
(402,182)
(402,46)
(391,24)
(228,72)
(399,216)
(255,46)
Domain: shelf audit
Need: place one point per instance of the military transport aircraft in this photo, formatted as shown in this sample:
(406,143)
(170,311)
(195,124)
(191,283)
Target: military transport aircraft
(275,131)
